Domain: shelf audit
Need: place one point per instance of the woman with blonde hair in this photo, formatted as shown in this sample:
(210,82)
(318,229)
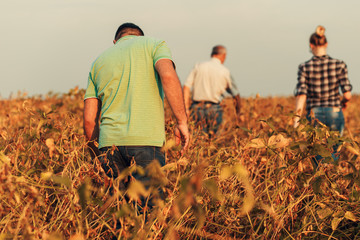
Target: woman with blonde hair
(319,80)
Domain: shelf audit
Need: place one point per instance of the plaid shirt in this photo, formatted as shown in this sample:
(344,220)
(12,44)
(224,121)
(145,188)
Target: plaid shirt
(319,79)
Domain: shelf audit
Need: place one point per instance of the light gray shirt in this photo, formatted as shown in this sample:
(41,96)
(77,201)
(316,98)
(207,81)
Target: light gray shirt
(210,80)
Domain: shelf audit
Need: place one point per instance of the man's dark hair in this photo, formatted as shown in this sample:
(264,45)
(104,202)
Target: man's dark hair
(128,28)
(218,49)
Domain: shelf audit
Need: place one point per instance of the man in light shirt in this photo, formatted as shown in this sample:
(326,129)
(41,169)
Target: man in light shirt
(209,81)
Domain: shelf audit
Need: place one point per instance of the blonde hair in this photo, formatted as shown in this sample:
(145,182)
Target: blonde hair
(320,31)
(318,37)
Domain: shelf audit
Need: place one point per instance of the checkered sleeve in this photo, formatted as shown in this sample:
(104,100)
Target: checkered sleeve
(343,79)
(301,87)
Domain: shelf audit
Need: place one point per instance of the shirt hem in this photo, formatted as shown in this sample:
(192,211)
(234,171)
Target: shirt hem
(154,144)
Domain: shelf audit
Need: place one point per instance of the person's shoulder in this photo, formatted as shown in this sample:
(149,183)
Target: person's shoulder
(223,67)
(200,64)
(103,55)
(148,39)
(306,63)
(302,65)
(309,61)
(337,61)
(206,62)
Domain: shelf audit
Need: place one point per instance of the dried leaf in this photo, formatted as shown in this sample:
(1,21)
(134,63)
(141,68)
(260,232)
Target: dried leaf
(323,213)
(335,223)
(168,145)
(169,167)
(213,189)
(350,216)
(84,194)
(278,141)
(63,180)
(183,161)
(77,236)
(352,150)
(46,175)
(257,143)
(225,173)
(249,202)
(4,159)
(3,134)
(136,190)
(241,171)
(51,145)
(53,236)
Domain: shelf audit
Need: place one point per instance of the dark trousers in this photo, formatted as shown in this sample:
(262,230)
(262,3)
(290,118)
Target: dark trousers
(115,161)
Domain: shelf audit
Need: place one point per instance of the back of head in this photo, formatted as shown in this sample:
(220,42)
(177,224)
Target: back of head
(318,37)
(218,50)
(128,29)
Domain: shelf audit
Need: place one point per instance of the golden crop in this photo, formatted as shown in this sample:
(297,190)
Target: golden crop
(254,180)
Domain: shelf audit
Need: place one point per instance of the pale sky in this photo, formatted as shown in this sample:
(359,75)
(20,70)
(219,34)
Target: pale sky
(49,45)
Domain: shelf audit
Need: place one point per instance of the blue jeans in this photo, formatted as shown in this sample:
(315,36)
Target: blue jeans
(209,115)
(114,163)
(332,119)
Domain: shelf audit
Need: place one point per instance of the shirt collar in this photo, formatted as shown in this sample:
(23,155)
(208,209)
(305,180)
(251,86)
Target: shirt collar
(215,60)
(321,57)
(126,37)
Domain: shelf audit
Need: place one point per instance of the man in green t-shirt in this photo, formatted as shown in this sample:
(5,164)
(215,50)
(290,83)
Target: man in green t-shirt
(124,101)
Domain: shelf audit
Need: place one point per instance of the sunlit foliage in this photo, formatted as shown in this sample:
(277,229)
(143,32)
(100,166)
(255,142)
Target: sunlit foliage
(254,180)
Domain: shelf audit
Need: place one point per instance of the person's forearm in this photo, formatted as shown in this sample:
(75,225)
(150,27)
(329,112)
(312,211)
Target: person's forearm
(92,136)
(91,130)
(300,103)
(91,124)
(174,95)
(187,97)
(172,89)
(299,106)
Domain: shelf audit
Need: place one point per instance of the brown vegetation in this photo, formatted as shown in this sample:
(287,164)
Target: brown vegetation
(255,180)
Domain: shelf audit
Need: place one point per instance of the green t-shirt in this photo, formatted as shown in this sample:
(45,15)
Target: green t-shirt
(125,80)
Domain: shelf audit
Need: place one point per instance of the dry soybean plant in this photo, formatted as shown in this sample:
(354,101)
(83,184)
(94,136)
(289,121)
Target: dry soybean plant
(255,179)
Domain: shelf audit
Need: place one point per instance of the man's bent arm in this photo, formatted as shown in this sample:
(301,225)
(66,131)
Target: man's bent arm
(174,95)
(92,107)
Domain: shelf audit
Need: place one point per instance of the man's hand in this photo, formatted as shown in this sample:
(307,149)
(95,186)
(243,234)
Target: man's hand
(182,136)
(188,112)
(345,100)
(237,103)
(344,103)
(296,121)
